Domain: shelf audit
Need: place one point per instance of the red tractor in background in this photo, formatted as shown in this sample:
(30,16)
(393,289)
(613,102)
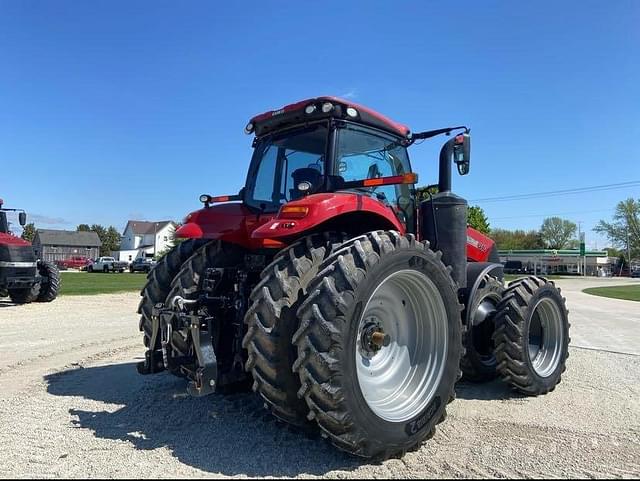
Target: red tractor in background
(343,300)
(22,277)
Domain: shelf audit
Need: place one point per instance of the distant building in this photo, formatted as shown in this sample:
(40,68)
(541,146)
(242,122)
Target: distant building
(565,261)
(56,245)
(144,239)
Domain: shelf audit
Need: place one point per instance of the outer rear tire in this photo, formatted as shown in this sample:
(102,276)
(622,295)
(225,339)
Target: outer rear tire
(159,283)
(48,289)
(328,339)
(272,320)
(532,336)
(479,362)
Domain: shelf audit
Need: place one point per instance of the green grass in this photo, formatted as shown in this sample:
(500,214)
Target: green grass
(84,283)
(629,293)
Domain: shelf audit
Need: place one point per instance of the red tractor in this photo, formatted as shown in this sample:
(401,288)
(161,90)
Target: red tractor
(23,278)
(346,302)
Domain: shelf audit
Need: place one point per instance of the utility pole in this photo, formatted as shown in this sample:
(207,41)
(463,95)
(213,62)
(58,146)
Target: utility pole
(628,251)
(581,262)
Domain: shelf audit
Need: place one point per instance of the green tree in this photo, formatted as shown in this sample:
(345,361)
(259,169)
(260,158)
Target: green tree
(422,193)
(111,241)
(29,232)
(109,236)
(624,229)
(517,239)
(556,232)
(477,219)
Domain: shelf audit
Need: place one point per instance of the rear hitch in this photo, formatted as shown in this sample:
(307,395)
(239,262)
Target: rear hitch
(202,369)
(203,380)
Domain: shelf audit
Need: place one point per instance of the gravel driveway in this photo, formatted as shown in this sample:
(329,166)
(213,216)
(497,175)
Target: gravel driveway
(72,405)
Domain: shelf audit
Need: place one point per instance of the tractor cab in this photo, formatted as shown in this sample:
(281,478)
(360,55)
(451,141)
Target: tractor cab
(328,145)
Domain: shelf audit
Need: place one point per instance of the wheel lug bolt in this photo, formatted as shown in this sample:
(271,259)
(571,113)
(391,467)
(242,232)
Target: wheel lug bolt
(380,339)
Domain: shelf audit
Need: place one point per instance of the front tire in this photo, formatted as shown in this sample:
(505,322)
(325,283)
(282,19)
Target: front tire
(532,336)
(272,320)
(373,395)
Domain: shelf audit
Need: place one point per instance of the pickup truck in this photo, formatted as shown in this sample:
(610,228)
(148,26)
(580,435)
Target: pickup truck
(107,264)
(142,265)
(73,262)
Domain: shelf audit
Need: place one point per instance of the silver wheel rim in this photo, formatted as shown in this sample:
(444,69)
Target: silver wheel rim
(399,380)
(546,337)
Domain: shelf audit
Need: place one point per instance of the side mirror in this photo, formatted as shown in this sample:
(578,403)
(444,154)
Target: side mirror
(22,218)
(462,153)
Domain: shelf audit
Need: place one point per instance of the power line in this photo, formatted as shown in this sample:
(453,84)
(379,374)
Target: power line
(553,214)
(554,193)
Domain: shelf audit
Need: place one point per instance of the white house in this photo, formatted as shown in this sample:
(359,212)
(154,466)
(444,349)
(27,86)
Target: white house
(144,239)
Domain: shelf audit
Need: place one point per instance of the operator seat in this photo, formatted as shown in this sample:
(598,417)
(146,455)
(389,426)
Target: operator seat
(310,175)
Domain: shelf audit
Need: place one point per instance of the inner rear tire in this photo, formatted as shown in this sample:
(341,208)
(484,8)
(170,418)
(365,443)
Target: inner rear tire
(479,362)
(188,284)
(365,407)
(271,320)
(24,295)
(159,283)
(532,336)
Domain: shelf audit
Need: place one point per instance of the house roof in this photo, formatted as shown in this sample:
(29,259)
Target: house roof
(67,238)
(142,227)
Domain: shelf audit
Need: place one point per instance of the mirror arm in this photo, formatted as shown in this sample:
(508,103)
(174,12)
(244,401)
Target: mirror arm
(432,133)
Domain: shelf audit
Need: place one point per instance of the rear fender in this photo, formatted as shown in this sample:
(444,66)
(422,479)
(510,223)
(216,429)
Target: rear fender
(475,272)
(230,222)
(340,211)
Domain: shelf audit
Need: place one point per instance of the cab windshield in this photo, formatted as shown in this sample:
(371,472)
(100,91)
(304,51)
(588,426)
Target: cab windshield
(277,158)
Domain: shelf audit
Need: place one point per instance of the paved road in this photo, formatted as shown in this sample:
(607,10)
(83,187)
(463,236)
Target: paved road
(600,322)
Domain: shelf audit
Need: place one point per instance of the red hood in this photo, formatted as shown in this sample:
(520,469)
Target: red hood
(10,239)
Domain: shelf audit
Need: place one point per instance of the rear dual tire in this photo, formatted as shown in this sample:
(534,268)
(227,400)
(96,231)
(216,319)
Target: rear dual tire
(532,336)
(272,319)
(336,384)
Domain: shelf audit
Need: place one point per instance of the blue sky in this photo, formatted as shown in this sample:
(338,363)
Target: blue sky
(111,110)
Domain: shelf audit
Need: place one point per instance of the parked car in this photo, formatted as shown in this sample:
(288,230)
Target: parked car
(73,262)
(635,273)
(141,265)
(107,264)
(514,267)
